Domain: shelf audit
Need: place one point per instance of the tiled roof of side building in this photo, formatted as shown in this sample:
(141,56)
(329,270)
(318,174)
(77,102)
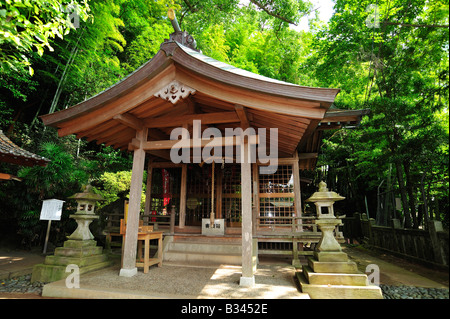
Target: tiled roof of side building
(11,153)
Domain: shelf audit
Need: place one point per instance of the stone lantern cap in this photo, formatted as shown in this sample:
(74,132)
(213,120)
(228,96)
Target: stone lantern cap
(86,201)
(87,195)
(324,195)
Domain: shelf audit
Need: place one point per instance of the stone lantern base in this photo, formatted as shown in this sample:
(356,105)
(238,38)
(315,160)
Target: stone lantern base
(330,274)
(83,253)
(336,280)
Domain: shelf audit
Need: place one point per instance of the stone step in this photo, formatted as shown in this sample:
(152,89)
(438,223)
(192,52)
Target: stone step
(189,257)
(78,252)
(218,248)
(50,273)
(334,278)
(79,261)
(348,267)
(79,243)
(338,291)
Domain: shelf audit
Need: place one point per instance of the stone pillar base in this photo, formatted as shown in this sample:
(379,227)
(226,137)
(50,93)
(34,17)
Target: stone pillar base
(247,281)
(128,272)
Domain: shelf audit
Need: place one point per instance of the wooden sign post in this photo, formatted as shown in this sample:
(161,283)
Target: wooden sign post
(51,210)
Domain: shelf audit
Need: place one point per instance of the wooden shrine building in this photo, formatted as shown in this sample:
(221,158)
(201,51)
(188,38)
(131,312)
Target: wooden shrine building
(180,85)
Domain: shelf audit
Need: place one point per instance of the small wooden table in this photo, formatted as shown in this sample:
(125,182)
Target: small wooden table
(145,234)
(146,262)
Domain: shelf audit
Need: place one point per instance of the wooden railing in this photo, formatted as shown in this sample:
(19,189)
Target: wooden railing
(291,235)
(161,220)
(289,225)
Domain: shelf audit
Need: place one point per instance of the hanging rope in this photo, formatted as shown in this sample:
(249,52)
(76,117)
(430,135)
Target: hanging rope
(211,216)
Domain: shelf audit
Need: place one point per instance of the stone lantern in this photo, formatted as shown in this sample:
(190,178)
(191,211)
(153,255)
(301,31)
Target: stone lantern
(85,213)
(324,201)
(326,221)
(330,274)
(80,249)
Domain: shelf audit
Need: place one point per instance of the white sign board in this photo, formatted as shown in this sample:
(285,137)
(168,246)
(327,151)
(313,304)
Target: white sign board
(51,209)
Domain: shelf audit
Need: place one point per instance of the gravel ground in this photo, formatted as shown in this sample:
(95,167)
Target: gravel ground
(21,285)
(407,292)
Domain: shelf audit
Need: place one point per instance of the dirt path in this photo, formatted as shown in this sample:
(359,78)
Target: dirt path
(397,271)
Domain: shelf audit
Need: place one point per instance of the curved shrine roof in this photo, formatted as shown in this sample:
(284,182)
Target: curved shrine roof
(180,84)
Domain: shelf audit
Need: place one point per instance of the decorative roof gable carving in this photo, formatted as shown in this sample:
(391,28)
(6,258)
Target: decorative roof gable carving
(175,91)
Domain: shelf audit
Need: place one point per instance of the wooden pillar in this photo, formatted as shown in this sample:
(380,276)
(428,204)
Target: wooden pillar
(172,220)
(148,191)
(182,220)
(297,193)
(248,262)
(255,199)
(129,252)
(219,179)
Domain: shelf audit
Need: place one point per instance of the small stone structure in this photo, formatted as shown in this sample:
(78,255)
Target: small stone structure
(330,274)
(217,228)
(80,249)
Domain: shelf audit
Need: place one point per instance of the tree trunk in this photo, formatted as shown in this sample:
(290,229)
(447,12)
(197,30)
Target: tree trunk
(401,184)
(62,79)
(425,201)
(410,191)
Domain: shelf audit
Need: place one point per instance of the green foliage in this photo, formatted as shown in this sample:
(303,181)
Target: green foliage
(59,177)
(29,25)
(113,186)
(399,71)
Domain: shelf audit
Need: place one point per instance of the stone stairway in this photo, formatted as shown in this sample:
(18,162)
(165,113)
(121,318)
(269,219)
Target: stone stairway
(203,250)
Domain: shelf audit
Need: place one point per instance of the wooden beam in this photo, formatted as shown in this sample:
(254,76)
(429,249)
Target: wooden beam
(134,144)
(160,153)
(130,121)
(302,156)
(191,105)
(189,143)
(242,114)
(4,176)
(206,118)
(166,165)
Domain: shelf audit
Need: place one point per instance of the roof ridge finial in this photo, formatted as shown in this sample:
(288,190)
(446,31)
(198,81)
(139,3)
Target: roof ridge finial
(182,37)
(173,19)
